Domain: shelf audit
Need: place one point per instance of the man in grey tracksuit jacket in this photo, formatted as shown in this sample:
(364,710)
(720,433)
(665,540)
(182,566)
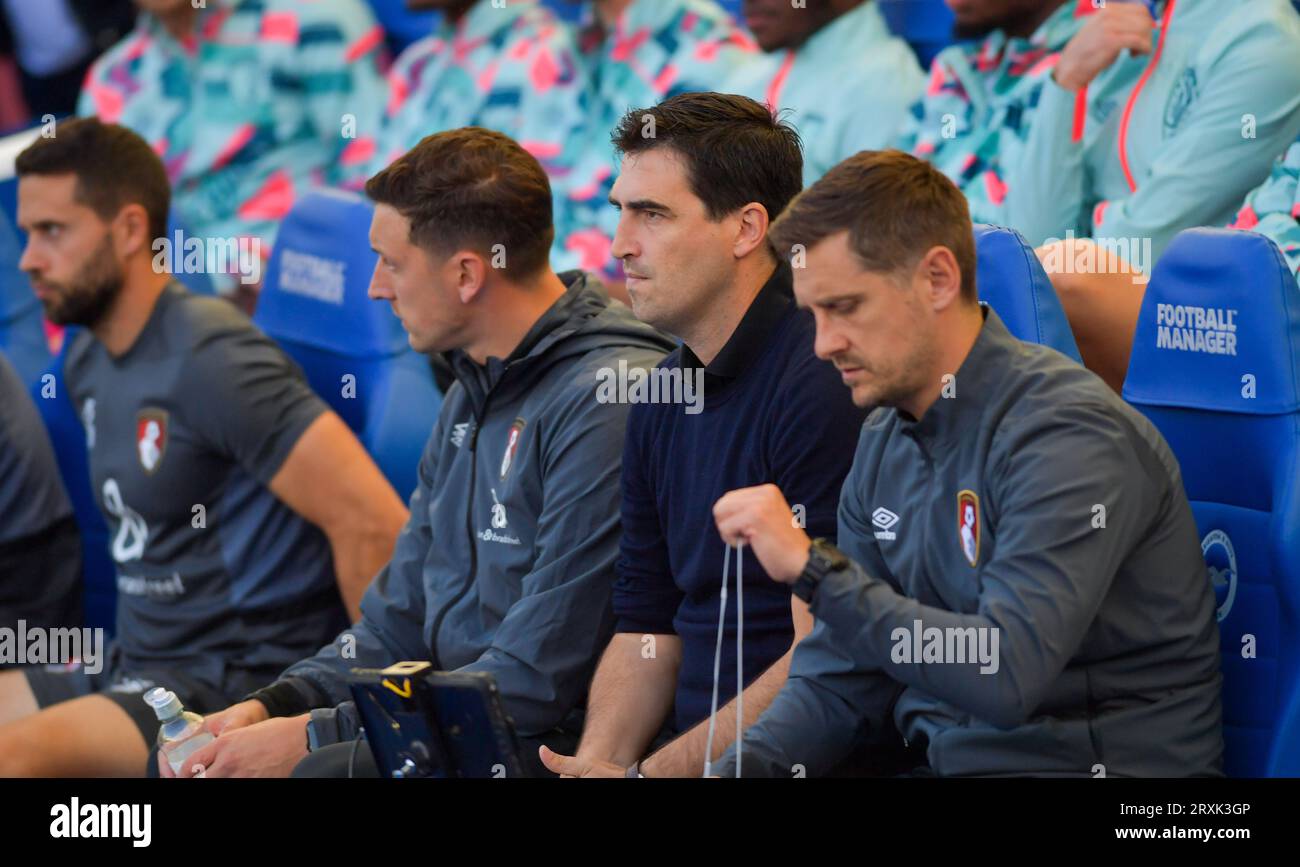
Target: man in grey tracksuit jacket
(1043,517)
(506,565)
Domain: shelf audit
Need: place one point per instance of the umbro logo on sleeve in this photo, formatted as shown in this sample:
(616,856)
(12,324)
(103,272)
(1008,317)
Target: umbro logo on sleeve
(885,520)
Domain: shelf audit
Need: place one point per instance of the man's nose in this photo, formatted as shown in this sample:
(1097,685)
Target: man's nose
(377,291)
(829,342)
(623,245)
(29,262)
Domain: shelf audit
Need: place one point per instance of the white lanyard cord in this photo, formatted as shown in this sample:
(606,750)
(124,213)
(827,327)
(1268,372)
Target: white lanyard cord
(717,658)
(740,657)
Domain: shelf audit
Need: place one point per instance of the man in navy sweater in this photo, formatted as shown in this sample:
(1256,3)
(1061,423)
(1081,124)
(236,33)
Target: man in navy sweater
(702,176)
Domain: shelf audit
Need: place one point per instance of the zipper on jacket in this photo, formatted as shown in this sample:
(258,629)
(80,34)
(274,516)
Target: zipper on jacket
(469,531)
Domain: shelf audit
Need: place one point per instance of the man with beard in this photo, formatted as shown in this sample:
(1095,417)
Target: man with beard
(239,507)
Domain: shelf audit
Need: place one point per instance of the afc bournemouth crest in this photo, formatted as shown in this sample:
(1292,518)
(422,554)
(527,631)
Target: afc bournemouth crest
(968,525)
(512,446)
(150,437)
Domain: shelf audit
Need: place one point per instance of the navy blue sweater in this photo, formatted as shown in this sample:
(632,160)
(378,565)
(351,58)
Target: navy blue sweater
(772,412)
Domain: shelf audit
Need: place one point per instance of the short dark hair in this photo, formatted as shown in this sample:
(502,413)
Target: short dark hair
(472,188)
(894,206)
(114,167)
(736,151)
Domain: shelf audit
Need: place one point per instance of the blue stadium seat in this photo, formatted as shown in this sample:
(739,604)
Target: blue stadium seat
(12,144)
(732,6)
(9,199)
(1216,367)
(926,25)
(568,10)
(69,440)
(353,350)
(22,331)
(200,283)
(1012,282)
(400,24)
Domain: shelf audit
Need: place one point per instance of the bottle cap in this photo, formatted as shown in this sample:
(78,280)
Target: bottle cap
(164,702)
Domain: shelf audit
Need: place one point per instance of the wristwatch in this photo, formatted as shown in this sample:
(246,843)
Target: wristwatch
(823,559)
(313,734)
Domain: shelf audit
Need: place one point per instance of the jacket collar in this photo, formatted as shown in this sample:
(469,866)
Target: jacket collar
(982,373)
(582,298)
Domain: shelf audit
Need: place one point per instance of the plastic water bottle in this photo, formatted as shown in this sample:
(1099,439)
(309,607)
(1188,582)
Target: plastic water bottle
(181,732)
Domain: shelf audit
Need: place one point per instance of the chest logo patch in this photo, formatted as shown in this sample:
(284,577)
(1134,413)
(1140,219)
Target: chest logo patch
(968,525)
(150,438)
(1182,96)
(512,446)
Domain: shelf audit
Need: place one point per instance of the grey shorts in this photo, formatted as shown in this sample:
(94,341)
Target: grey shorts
(51,684)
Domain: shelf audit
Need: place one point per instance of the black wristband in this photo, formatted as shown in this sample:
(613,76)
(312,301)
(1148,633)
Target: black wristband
(280,699)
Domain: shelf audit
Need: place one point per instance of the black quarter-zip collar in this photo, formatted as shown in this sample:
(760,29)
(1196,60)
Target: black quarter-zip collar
(750,338)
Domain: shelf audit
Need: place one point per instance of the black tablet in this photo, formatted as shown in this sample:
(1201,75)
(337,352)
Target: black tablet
(425,723)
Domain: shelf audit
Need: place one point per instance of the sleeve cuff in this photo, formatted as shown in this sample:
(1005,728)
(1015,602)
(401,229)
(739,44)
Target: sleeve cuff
(288,697)
(645,626)
(835,585)
(334,725)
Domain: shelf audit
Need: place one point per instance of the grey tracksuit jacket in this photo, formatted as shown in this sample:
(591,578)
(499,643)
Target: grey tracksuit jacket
(1036,505)
(506,565)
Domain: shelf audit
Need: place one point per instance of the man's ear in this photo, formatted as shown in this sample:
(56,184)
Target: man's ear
(751,231)
(469,274)
(939,270)
(130,230)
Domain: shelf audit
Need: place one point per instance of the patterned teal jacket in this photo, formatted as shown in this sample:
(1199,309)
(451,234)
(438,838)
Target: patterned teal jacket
(511,68)
(1208,120)
(974,120)
(1273,208)
(266,99)
(848,88)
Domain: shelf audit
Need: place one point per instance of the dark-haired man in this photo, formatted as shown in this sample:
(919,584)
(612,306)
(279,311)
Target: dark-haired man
(1021,588)
(633,52)
(694,203)
(239,507)
(505,566)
